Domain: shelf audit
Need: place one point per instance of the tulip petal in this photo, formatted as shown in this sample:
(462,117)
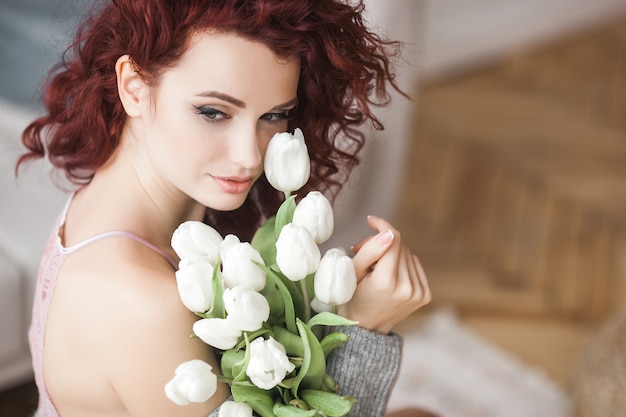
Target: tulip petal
(194,381)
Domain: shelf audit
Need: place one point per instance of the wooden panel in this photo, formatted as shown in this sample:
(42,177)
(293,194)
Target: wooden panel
(516,191)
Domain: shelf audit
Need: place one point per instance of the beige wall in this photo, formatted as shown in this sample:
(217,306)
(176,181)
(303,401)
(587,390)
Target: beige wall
(464,33)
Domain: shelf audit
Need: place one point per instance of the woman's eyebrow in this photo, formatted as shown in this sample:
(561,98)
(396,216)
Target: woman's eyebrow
(239,103)
(225,97)
(289,103)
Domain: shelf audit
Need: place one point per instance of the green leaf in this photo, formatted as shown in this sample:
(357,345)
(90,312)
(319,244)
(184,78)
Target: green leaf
(217,307)
(296,402)
(251,336)
(332,341)
(292,342)
(310,283)
(239,369)
(282,410)
(231,363)
(260,400)
(314,363)
(332,405)
(295,290)
(277,303)
(290,314)
(326,318)
(286,383)
(285,214)
(264,241)
(329,384)
(287,396)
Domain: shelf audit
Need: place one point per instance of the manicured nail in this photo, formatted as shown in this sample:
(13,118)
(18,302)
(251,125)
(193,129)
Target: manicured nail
(384,238)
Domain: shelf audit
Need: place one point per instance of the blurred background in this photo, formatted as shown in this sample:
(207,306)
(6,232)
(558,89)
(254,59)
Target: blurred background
(506,174)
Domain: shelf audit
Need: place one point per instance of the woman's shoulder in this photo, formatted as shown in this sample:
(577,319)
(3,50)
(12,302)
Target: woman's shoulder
(125,295)
(122,263)
(112,262)
(134,320)
(122,276)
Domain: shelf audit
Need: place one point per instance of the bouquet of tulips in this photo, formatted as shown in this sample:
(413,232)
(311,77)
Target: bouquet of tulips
(268,306)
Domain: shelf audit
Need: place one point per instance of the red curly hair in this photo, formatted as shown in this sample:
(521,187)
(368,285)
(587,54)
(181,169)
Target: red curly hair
(345,70)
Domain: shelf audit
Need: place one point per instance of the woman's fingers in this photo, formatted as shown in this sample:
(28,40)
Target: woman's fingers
(421,275)
(392,282)
(356,248)
(372,249)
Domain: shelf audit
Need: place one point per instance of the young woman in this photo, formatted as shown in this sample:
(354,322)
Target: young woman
(161,113)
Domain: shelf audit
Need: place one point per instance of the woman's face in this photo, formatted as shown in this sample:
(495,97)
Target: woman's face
(212,116)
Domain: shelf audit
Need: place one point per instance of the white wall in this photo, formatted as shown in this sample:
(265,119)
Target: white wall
(464,33)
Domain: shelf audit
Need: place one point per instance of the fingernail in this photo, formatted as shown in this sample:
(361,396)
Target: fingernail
(384,238)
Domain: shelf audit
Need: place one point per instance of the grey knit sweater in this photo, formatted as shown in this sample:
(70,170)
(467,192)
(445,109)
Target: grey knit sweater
(366,368)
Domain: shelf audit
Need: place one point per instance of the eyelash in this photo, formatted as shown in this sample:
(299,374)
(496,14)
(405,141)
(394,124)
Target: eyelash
(214,115)
(276,117)
(211,114)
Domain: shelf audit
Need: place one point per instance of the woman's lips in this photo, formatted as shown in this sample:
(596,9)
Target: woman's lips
(234,185)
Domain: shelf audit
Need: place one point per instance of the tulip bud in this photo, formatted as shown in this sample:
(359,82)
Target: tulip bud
(320,307)
(335,280)
(235,409)
(194,239)
(316,214)
(246,308)
(297,255)
(238,267)
(268,364)
(194,381)
(195,284)
(219,333)
(287,163)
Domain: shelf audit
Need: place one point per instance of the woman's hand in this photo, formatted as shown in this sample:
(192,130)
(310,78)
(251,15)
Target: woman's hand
(392,283)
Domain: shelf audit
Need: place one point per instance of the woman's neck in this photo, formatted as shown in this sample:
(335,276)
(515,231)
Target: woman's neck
(123,197)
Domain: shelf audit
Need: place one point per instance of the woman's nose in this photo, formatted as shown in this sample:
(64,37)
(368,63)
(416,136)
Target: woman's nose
(245,150)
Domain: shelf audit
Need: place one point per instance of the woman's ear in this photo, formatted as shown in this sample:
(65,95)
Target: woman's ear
(130,86)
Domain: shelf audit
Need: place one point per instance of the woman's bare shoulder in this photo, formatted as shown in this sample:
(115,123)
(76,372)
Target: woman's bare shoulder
(139,328)
(125,281)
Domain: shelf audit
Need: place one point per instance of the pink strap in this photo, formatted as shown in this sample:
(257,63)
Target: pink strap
(119,233)
(113,233)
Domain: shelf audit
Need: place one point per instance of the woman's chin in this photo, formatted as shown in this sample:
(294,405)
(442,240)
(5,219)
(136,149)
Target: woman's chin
(230,203)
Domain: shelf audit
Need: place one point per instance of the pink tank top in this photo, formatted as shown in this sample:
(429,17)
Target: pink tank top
(52,260)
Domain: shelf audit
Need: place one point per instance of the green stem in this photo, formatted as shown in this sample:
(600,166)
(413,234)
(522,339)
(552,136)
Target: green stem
(333,309)
(307,301)
(224,379)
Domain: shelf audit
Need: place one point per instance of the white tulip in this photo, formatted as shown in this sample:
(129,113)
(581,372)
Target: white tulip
(219,333)
(316,214)
(195,284)
(194,381)
(238,267)
(335,280)
(194,239)
(320,307)
(268,364)
(297,254)
(235,409)
(287,163)
(246,308)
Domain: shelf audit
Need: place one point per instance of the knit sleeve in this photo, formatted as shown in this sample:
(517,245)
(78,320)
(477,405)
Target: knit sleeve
(366,368)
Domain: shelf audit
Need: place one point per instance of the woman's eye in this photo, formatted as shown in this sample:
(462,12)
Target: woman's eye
(275,117)
(211,114)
